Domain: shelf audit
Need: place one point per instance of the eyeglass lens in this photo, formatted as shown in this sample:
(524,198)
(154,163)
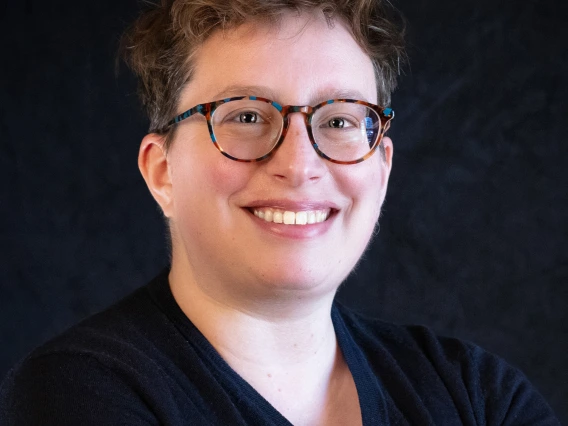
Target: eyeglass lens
(248,129)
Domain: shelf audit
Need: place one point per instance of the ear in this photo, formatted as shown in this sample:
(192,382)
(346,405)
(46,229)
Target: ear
(388,146)
(154,166)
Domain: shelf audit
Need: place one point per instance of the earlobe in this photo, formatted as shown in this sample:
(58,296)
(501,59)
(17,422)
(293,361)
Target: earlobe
(154,166)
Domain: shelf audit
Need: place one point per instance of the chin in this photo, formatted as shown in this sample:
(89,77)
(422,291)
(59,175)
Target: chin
(301,280)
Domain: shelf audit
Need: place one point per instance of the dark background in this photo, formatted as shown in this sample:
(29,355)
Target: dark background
(473,233)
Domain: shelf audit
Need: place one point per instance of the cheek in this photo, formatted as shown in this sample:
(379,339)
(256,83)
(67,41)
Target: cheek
(203,180)
(365,184)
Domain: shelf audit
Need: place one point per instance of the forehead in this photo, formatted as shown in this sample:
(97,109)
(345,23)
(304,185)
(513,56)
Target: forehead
(301,60)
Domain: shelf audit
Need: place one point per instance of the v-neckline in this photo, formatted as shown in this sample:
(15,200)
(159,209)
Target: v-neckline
(371,399)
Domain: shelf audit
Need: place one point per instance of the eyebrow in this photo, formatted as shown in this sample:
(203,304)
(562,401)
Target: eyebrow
(244,90)
(320,95)
(323,95)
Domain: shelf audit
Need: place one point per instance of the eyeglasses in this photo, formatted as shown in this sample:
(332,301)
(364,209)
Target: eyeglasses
(251,128)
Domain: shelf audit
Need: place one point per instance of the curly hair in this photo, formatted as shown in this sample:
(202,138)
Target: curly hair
(160,45)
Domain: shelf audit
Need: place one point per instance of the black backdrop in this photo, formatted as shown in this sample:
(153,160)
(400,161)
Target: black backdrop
(473,234)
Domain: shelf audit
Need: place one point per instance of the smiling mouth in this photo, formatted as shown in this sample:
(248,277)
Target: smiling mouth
(287,217)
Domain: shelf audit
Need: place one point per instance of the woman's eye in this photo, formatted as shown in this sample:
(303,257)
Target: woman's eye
(337,123)
(248,117)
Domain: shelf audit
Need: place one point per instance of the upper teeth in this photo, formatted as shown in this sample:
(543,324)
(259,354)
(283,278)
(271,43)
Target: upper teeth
(292,218)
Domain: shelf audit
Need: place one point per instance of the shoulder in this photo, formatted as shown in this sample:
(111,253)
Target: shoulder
(443,371)
(408,341)
(126,329)
(111,364)
(68,388)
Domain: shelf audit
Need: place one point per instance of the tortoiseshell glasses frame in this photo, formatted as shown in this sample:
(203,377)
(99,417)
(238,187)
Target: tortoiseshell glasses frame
(208,109)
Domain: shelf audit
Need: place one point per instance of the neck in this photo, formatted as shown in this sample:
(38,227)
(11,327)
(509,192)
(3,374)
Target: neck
(284,347)
(282,332)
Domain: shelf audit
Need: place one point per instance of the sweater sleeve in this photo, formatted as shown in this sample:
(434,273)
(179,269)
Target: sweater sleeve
(508,397)
(69,389)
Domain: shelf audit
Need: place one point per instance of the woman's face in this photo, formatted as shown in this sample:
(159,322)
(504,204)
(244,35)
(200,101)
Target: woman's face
(215,231)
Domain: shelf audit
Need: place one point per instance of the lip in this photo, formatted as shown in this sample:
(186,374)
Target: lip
(295,232)
(293,205)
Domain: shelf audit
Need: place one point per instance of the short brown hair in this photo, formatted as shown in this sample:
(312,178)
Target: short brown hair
(160,45)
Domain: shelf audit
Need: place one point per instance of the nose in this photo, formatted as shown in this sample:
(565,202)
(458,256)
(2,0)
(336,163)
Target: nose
(296,162)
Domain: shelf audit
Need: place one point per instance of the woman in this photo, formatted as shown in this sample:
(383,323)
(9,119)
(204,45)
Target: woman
(265,122)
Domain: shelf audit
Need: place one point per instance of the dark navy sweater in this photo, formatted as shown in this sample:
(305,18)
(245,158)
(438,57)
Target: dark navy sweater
(142,362)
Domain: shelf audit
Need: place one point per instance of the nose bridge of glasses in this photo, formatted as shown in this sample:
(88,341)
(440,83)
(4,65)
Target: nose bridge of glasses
(291,109)
(304,110)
